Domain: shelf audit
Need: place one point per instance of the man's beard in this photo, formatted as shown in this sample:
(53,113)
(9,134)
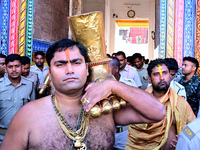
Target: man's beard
(161,88)
(39,64)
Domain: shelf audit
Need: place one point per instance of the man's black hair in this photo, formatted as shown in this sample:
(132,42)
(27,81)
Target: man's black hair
(172,64)
(115,62)
(62,45)
(39,53)
(120,53)
(25,60)
(2,56)
(129,59)
(12,57)
(193,60)
(137,55)
(155,63)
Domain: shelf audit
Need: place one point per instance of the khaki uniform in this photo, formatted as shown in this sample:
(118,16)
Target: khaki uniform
(12,99)
(34,77)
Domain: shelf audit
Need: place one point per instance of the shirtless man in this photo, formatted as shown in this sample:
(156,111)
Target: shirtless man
(161,135)
(36,125)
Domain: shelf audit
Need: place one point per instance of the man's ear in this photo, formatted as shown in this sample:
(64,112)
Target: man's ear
(125,60)
(149,79)
(194,68)
(116,69)
(49,72)
(87,69)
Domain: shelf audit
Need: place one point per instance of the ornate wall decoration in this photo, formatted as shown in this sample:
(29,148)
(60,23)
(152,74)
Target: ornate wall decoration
(39,45)
(13,29)
(163,22)
(197,41)
(170,28)
(178,40)
(29,28)
(189,28)
(22,27)
(4,38)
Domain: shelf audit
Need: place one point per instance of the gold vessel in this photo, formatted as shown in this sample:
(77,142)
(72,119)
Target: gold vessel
(88,30)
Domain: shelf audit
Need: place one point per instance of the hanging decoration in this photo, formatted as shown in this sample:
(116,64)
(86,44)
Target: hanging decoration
(29,28)
(178,40)
(22,27)
(163,23)
(4,38)
(13,30)
(189,28)
(170,28)
(197,42)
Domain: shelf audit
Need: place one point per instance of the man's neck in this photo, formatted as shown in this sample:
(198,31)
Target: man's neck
(117,76)
(40,67)
(70,101)
(26,76)
(188,77)
(158,94)
(141,67)
(16,81)
(122,68)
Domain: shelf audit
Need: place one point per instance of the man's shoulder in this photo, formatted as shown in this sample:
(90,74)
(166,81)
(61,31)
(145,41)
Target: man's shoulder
(178,84)
(192,129)
(27,80)
(33,74)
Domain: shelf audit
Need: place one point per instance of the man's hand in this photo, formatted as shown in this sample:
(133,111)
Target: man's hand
(173,143)
(96,92)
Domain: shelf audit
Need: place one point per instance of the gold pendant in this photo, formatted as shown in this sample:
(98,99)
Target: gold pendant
(83,147)
(78,143)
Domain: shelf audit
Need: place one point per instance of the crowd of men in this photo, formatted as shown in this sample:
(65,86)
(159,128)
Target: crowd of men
(160,107)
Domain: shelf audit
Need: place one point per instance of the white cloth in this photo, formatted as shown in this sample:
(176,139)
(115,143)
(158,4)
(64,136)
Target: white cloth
(189,138)
(180,90)
(130,82)
(131,73)
(120,140)
(41,74)
(143,76)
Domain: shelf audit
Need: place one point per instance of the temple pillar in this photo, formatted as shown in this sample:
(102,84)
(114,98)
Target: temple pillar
(75,8)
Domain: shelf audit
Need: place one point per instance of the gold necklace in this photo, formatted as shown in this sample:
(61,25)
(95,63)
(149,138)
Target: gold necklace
(79,135)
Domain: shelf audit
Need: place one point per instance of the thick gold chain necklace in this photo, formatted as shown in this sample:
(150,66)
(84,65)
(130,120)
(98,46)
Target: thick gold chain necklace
(81,127)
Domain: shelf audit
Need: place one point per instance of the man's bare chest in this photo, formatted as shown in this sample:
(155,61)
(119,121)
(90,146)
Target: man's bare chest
(49,135)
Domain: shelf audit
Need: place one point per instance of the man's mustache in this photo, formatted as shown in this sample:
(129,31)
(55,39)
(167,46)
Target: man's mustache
(69,76)
(162,82)
(14,72)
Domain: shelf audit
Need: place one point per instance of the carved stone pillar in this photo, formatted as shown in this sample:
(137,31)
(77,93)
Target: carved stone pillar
(75,8)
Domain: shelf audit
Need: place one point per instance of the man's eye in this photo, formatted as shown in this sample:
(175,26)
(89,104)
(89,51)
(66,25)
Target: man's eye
(59,65)
(77,63)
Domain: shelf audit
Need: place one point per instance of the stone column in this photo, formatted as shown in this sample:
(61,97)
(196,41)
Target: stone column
(75,8)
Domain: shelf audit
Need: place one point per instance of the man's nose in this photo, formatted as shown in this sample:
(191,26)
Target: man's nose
(162,77)
(14,68)
(69,68)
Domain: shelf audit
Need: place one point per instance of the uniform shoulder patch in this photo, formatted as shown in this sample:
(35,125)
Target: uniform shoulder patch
(188,132)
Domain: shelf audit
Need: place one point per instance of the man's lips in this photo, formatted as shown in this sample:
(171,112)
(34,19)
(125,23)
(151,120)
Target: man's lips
(70,79)
(14,73)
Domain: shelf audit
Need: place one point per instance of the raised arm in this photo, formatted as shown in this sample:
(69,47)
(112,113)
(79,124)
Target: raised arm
(142,107)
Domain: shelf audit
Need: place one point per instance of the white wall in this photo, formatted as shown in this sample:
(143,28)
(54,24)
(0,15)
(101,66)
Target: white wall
(144,11)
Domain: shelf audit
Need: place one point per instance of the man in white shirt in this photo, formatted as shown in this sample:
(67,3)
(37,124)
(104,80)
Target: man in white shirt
(141,67)
(39,67)
(173,69)
(127,71)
